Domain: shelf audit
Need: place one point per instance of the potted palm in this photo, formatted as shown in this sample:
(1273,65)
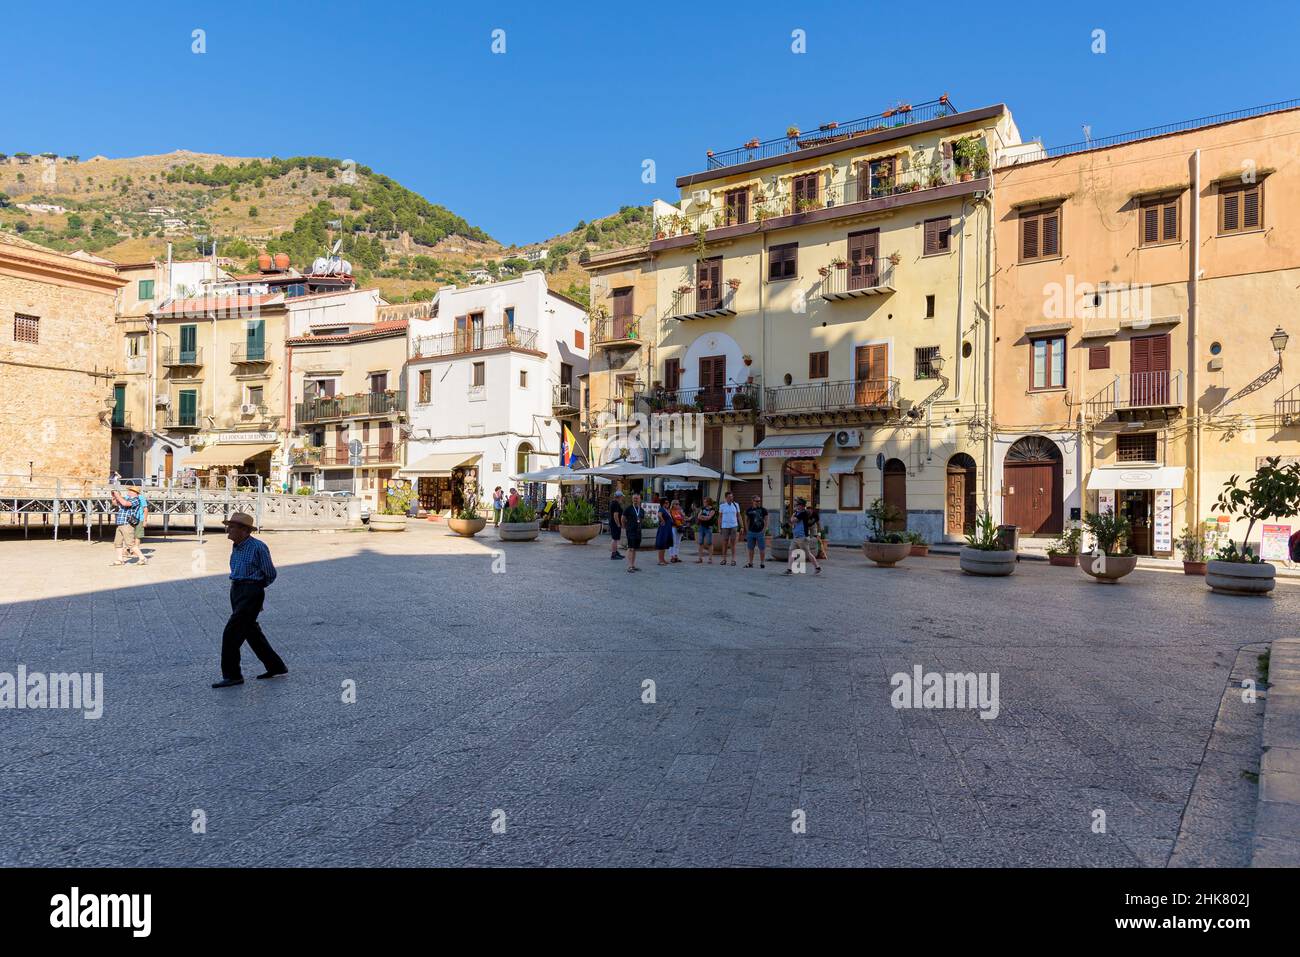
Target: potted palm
(519,524)
(578,521)
(1111,559)
(1272,492)
(392,517)
(920,544)
(884,548)
(983,553)
(1064,551)
(467,522)
(1192,544)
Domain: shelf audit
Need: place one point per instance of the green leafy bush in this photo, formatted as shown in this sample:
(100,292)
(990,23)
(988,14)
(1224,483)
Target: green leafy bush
(1067,544)
(578,511)
(1111,531)
(880,514)
(523,512)
(1192,544)
(1272,492)
(985,536)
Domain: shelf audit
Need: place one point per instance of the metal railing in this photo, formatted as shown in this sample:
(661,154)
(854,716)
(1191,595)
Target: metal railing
(324,408)
(476,340)
(832,396)
(121,419)
(608,329)
(1139,390)
(904,114)
(1178,127)
(564,397)
(332,455)
(857,278)
(736,397)
(1287,406)
(176,419)
(182,357)
(690,299)
(242,352)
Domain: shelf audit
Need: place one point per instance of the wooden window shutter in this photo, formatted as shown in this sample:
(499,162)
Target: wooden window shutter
(1150,224)
(1099,357)
(1028,237)
(1051,233)
(1229,218)
(1250,208)
(1170,221)
(672,374)
(937,233)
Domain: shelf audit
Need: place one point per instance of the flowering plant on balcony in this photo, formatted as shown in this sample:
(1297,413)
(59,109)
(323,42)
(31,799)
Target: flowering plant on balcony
(895,258)
(684,288)
(734,284)
(752,144)
(792,132)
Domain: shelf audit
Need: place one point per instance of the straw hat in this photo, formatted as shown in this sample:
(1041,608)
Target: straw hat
(241,518)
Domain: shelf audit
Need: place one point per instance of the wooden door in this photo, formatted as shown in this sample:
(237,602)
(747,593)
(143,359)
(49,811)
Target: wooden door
(708,284)
(961,499)
(713,382)
(385,441)
(1149,371)
(167,463)
(1033,499)
(622,312)
(189,343)
(712,457)
(863,247)
(462,334)
(896,493)
(871,374)
(256,337)
(341,444)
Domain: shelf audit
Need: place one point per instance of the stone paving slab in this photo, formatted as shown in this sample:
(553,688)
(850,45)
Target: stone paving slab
(1277,835)
(517,699)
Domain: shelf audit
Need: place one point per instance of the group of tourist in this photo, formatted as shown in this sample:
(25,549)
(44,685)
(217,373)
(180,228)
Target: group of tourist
(725,520)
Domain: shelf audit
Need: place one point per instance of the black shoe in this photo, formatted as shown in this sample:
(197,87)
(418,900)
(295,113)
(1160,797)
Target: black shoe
(615,557)
(273,674)
(228,682)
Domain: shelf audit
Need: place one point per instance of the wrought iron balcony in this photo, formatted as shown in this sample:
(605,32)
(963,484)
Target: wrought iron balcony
(172,357)
(1287,407)
(476,340)
(121,419)
(617,331)
(872,277)
(1131,393)
(241,352)
(832,396)
(176,419)
(703,302)
(332,456)
(709,400)
(327,408)
(564,398)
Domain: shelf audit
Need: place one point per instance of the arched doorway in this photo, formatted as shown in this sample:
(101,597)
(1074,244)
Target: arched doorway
(961,495)
(896,493)
(1031,482)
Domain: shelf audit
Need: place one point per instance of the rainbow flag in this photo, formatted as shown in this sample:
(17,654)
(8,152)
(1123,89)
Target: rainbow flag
(566,448)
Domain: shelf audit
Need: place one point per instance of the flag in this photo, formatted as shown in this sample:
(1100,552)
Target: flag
(566,448)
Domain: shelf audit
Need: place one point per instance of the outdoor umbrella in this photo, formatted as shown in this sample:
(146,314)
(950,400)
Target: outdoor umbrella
(688,470)
(622,469)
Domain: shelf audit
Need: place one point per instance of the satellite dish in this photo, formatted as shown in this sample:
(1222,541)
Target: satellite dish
(334,250)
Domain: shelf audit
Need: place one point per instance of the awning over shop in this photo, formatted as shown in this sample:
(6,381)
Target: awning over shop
(230,453)
(797,445)
(440,464)
(1170,477)
(846,464)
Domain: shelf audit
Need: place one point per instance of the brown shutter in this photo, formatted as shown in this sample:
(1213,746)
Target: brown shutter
(623,303)
(1250,208)
(1099,357)
(672,374)
(1051,233)
(937,233)
(1140,355)
(1170,221)
(1159,353)
(1150,224)
(1228,211)
(1028,237)
(863,267)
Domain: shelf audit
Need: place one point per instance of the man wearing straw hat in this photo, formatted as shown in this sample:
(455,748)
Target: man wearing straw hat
(251,571)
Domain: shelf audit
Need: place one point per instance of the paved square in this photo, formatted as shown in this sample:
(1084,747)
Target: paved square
(520,692)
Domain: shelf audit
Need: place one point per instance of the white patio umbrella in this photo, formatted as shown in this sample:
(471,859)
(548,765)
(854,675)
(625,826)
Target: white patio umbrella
(688,470)
(622,469)
(556,473)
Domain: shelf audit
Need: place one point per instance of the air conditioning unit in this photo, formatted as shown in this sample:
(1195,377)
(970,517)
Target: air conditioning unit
(248,408)
(162,401)
(848,438)
(700,197)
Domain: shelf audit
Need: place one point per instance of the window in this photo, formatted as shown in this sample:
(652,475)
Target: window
(929,306)
(672,374)
(144,290)
(736,208)
(925,362)
(508,318)
(819,365)
(804,189)
(1135,447)
(523,378)
(850,491)
(1048,363)
(1158,221)
(479,376)
(1241,207)
(938,235)
(379,382)
(255,395)
(579,339)
(1040,234)
(1099,357)
(708,283)
(426,386)
(783,262)
(876,177)
(26,328)
(523,458)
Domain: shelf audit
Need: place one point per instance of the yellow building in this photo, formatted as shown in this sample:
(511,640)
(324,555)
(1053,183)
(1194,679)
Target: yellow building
(56,357)
(826,302)
(1140,283)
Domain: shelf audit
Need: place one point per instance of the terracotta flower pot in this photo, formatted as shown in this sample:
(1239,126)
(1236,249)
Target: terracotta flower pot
(886,554)
(1107,569)
(1194,568)
(920,551)
(580,534)
(1063,561)
(467,527)
(518,531)
(1240,578)
(997,564)
(387,523)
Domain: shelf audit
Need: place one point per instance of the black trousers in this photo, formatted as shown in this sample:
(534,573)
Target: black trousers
(246,599)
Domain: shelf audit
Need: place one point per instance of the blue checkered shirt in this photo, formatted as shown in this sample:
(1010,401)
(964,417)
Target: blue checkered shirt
(123,512)
(250,561)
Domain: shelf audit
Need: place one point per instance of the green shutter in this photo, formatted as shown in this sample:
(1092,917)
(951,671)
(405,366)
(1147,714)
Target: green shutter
(119,406)
(146,289)
(189,340)
(256,340)
(189,407)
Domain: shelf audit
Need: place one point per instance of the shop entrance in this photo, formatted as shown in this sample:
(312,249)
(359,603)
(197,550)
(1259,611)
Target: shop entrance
(1138,506)
(799,479)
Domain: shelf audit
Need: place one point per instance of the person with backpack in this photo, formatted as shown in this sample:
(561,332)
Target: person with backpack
(129,518)
(804,522)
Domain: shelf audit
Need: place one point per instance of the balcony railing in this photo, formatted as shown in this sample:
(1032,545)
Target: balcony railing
(1132,391)
(332,456)
(325,408)
(176,419)
(743,397)
(1287,406)
(901,115)
(182,357)
(242,352)
(872,277)
(564,397)
(702,302)
(121,419)
(831,396)
(616,329)
(476,340)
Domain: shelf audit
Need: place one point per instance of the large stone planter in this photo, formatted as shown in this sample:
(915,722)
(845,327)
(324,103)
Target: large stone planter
(387,523)
(1107,569)
(989,564)
(779,549)
(580,534)
(886,554)
(1240,578)
(519,531)
(467,527)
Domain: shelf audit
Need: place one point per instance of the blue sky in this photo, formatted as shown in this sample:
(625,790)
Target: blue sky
(528,142)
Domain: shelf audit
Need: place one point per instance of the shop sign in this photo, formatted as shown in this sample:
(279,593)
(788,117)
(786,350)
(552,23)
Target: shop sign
(259,437)
(811,452)
(746,463)
(1273,543)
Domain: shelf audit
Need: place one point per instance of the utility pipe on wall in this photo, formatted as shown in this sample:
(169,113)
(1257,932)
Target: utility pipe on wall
(1193,338)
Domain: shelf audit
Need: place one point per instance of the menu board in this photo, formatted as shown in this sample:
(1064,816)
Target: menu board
(1164,520)
(1273,543)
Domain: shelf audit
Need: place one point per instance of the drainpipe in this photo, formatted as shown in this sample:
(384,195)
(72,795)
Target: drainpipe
(1193,339)
(961,286)
(991,299)
(1078,461)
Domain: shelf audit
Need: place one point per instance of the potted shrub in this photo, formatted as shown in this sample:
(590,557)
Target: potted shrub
(467,522)
(884,548)
(1272,492)
(779,547)
(1065,550)
(392,517)
(1111,559)
(1192,544)
(519,524)
(983,553)
(578,521)
(792,132)
(920,545)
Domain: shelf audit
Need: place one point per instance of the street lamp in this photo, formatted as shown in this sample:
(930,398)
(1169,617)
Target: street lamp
(936,361)
(1279,338)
